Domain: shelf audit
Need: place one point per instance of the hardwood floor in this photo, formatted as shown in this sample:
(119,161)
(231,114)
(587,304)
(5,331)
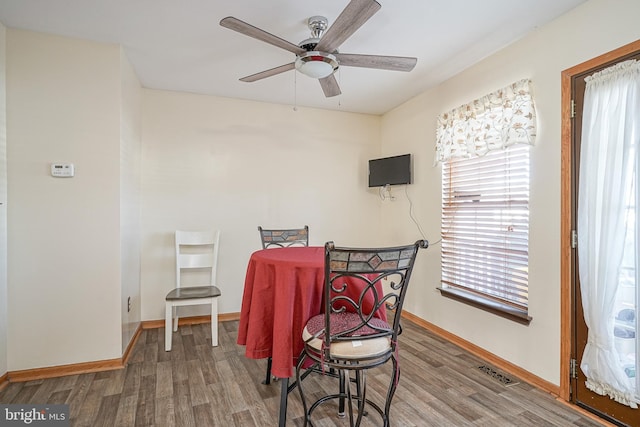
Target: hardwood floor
(199,385)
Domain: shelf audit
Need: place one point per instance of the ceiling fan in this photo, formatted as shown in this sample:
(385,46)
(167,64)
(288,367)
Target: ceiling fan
(318,56)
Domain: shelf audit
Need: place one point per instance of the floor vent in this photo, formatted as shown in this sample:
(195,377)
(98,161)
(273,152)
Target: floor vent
(505,380)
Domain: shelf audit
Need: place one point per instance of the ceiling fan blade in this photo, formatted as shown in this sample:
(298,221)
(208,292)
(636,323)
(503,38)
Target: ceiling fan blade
(393,63)
(330,86)
(352,17)
(249,30)
(268,73)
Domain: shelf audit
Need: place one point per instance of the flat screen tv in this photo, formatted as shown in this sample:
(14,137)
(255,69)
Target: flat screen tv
(394,170)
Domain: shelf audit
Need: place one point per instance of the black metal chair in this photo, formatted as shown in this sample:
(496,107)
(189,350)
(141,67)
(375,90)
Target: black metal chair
(282,238)
(359,285)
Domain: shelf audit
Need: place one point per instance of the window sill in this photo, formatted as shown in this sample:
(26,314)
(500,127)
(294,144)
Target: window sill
(487,304)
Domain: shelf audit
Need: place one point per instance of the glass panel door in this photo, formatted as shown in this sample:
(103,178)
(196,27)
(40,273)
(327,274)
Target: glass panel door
(626,306)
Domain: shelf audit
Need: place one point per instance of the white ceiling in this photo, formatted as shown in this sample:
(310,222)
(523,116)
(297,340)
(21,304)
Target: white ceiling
(179,44)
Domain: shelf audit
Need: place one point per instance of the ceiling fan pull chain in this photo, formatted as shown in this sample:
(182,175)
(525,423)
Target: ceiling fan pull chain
(339,84)
(295,91)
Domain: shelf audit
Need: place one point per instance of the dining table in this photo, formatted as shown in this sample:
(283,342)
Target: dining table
(283,289)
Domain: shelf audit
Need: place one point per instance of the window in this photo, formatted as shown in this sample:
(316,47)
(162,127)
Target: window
(484,151)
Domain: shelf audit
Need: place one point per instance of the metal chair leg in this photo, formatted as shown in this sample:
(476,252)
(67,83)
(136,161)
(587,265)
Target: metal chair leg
(284,387)
(395,378)
(299,385)
(343,374)
(343,383)
(361,389)
(267,380)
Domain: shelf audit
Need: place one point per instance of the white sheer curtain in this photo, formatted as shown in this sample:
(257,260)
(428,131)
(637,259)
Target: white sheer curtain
(608,162)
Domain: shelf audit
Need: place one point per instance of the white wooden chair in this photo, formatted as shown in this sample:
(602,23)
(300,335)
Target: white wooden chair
(196,251)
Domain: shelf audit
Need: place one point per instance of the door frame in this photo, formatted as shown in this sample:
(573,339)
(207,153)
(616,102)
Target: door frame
(566,209)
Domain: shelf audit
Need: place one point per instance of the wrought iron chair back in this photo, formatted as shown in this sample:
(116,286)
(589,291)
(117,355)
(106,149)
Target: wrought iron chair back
(282,238)
(381,278)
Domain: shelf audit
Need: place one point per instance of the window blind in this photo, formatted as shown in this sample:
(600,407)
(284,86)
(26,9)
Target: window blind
(485,224)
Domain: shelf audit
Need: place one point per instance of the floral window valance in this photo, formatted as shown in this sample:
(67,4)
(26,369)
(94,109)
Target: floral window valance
(495,121)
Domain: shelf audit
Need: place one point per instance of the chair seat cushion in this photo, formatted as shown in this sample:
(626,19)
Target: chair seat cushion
(193,292)
(352,349)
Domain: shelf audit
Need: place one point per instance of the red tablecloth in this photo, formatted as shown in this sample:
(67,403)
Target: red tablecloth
(283,289)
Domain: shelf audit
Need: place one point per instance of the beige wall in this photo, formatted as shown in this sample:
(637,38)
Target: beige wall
(592,29)
(64,239)
(130,176)
(233,165)
(3,202)
(75,244)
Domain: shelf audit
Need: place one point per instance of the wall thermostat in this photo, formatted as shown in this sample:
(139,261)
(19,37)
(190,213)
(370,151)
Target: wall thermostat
(62,170)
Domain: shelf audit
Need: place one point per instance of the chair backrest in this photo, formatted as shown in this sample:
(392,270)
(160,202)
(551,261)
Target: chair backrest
(197,251)
(363,282)
(283,238)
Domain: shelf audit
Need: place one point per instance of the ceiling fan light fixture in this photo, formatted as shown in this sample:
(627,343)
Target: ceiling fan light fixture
(317,65)
(317,57)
